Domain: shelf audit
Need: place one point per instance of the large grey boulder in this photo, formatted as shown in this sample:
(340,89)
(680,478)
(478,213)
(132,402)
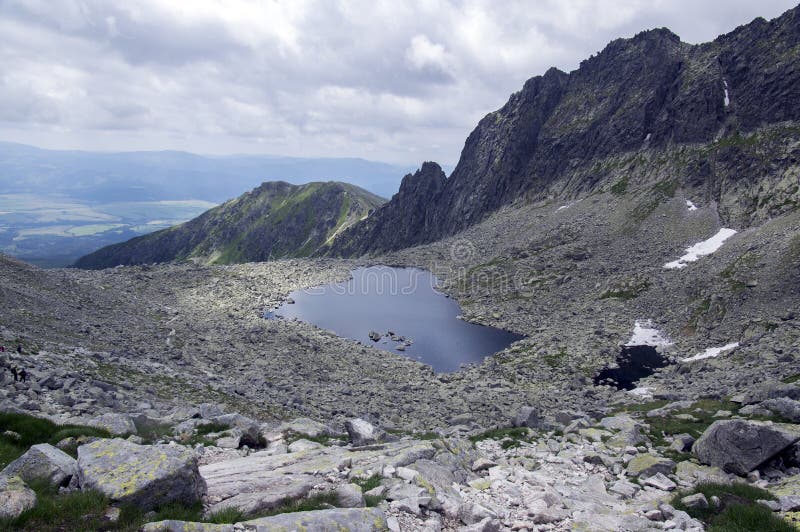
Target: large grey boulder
(43,462)
(305,427)
(335,520)
(788,409)
(350,496)
(362,432)
(15,497)
(739,446)
(116,424)
(250,429)
(144,475)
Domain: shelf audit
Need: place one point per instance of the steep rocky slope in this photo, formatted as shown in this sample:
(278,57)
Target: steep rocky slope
(563,134)
(275,220)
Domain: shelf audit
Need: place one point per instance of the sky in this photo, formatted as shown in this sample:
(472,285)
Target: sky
(401,82)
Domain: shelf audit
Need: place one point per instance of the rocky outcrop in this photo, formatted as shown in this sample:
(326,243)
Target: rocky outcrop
(276,220)
(15,496)
(43,462)
(362,432)
(335,520)
(399,221)
(560,133)
(147,476)
(739,446)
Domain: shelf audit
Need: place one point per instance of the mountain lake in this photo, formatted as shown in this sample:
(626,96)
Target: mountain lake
(397,310)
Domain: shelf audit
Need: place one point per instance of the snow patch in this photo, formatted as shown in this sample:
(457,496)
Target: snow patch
(645,334)
(691,206)
(727,100)
(712,352)
(647,137)
(562,207)
(706,247)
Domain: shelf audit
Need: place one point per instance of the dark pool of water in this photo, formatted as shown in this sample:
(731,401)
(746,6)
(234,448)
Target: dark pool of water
(635,362)
(402,301)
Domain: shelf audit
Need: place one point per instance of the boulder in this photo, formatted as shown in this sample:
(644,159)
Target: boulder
(350,496)
(305,427)
(116,424)
(303,445)
(788,409)
(249,429)
(739,446)
(647,465)
(144,475)
(15,497)
(43,462)
(363,432)
(529,416)
(350,519)
(210,410)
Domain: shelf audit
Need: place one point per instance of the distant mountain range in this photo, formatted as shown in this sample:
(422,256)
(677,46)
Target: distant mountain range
(56,206)
(172,175)
(276,220)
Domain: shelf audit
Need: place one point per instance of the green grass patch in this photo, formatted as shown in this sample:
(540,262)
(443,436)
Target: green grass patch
(318,502)
(620,187)
(509,437)
(792,379)
(738,510)
(79,511)
(33,430)
(292,437)
(369,483)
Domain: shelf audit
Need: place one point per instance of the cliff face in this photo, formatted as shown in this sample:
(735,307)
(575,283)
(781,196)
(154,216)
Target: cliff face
(649,93)
(275,220)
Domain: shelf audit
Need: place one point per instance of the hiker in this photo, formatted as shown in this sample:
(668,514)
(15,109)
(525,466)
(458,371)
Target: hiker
(14,372)
(19,348)
(23,375)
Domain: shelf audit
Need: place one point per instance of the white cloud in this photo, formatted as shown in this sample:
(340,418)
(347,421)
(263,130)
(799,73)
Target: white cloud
(399,81)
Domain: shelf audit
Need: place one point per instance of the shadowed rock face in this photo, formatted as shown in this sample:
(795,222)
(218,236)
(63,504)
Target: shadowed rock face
(649,92)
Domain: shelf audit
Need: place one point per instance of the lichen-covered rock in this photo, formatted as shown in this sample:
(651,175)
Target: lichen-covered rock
(15,496)
(362,432)
(144,475)
(305,427)
(335,520)
(647,465)
(739,446)
(43,462)
(350,496)
(116,424)
(171,525)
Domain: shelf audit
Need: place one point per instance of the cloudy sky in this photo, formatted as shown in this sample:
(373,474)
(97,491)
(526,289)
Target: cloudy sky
(399,81)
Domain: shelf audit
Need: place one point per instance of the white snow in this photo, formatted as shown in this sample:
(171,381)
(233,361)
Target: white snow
(706,247)
(562,207)
(645,334)
(727,100)
(647,137)
(712,352)
(691,206)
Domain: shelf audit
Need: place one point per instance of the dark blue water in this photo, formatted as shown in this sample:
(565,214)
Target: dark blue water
(402,301)
(634,362)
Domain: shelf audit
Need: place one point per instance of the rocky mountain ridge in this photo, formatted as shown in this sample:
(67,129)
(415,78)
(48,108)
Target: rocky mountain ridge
(275,220)
(650,96)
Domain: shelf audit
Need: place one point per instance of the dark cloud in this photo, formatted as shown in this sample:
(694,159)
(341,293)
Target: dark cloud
(400,81)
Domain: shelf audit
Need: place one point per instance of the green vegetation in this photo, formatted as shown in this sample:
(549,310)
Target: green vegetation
(367,484)
(737,511)
(620,187)
(626,293)
(292,437)
(32,430)
(792,379)
(509,437)
(318,502)
(555,360)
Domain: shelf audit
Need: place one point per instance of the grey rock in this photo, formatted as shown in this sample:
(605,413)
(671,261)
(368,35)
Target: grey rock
(528,416)
(362,432)
(789,503)
(624,488)
(116,424)
(786,408)
(335,520)
(682,443)
(472,512)
(171,525)
(660,481)
(43,462)
(350,496)
(15,496)
(145,475)
(210,410)
(698,500)
(646,465)
(486,525)
(306,427)
(303,445)
(739,446)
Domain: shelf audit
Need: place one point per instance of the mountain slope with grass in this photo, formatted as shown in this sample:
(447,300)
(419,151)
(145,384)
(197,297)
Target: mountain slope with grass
(274,221)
